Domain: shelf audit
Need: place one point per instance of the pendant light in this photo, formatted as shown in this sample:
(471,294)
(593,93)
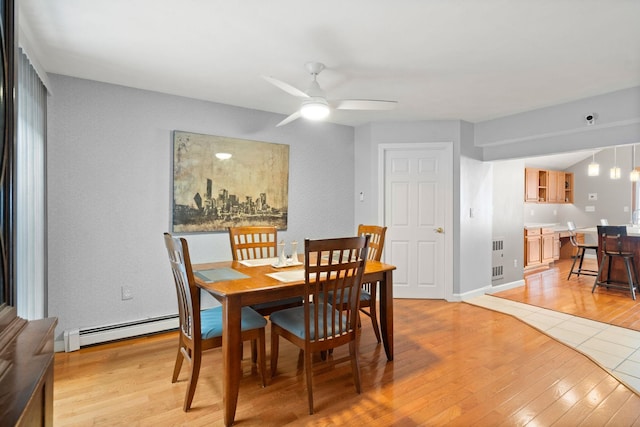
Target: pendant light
(634,175)
(614,172)
(594,168)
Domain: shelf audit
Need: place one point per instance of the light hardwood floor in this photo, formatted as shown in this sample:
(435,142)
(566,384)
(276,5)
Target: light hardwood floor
(455,364)
(550,288)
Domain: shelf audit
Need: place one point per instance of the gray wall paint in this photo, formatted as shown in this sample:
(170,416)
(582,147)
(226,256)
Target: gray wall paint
(471,189)
(508,196)
(109,186)
(558,129)
(613,196)
(109,183)
(562,128)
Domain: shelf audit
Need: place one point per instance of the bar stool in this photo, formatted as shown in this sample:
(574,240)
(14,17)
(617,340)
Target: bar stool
(611,241)
(581,249)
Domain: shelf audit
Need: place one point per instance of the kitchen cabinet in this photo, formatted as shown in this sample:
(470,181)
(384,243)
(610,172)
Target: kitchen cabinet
(556,187)
(568,188)
(541,246)
(531,185)
(556,246)
(548,186)
(548,245)
(532,247)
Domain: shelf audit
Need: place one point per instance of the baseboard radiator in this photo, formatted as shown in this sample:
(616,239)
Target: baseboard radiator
(76,338)
(497,258)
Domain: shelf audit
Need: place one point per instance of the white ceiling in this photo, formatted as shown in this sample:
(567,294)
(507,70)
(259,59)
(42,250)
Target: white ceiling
(454,59)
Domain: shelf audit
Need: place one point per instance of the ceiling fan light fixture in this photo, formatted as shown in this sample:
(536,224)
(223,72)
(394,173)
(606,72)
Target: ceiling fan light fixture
(315,109)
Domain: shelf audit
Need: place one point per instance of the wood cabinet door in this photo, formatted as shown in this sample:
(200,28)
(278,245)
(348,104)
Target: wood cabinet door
(533,255)
(560,188)
(552,187)
(531,185)
(547,247)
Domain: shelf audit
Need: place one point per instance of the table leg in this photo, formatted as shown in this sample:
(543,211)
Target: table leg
(386,312)
(231,345)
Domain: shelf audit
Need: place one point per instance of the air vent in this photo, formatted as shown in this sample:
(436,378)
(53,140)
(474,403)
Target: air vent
(497,259)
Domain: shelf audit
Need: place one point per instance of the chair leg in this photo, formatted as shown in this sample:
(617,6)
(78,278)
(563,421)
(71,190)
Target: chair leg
(355,366)
(196,359)
(308,370)
(636,283)
(609,270)
(179,358)
(254,352)
(574,262)
(631,279)
(373,312)
(262,355)
(595,283)
(274,353)
(581,261)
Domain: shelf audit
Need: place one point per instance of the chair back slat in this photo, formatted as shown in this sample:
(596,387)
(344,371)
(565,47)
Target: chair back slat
(254,242)
(610,237)
(376,241)
(186,289)
(333,266)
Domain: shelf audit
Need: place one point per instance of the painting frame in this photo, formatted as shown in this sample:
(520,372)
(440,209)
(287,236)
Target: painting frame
(219,182)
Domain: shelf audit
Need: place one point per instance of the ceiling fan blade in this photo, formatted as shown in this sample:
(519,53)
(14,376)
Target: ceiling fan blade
(364,104)
(285,87)
(289,119)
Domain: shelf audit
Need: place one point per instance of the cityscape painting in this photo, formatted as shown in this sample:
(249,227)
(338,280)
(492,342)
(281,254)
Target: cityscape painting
(220,182)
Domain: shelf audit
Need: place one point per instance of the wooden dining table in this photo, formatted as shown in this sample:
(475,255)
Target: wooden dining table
(241,283)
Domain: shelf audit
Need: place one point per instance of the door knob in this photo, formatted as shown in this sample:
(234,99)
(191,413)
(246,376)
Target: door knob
(438,230)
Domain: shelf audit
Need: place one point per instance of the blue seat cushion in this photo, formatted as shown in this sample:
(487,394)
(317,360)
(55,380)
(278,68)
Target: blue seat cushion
(292,319)
(211,321)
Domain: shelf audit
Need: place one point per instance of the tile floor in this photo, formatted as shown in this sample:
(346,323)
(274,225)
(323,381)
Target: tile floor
(614,348)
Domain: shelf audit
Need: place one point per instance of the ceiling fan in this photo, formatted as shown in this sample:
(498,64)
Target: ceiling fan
(314,104)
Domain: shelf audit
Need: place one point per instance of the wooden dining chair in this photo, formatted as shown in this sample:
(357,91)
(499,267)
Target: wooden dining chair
(610,244)
(201,330)
(581,248)
(331,265)
(368,295)
(258,242)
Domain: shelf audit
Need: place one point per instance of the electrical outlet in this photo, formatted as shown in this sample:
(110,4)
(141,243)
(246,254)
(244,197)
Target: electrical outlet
(515,262)
(127,293)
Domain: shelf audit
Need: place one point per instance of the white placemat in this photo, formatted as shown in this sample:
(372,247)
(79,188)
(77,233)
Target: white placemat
(288,275)
(259,262)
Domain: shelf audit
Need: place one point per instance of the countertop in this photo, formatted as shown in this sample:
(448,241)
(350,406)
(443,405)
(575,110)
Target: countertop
(632,230)
(554,226)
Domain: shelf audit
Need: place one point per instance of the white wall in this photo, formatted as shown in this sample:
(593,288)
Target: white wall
(508,196)
(613,196)
(109,186)
(562,128)
(471,188)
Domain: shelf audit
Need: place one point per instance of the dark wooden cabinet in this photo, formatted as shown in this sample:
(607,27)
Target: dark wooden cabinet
(26,373)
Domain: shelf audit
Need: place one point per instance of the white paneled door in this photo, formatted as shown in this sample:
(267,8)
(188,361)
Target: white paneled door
(417,210)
